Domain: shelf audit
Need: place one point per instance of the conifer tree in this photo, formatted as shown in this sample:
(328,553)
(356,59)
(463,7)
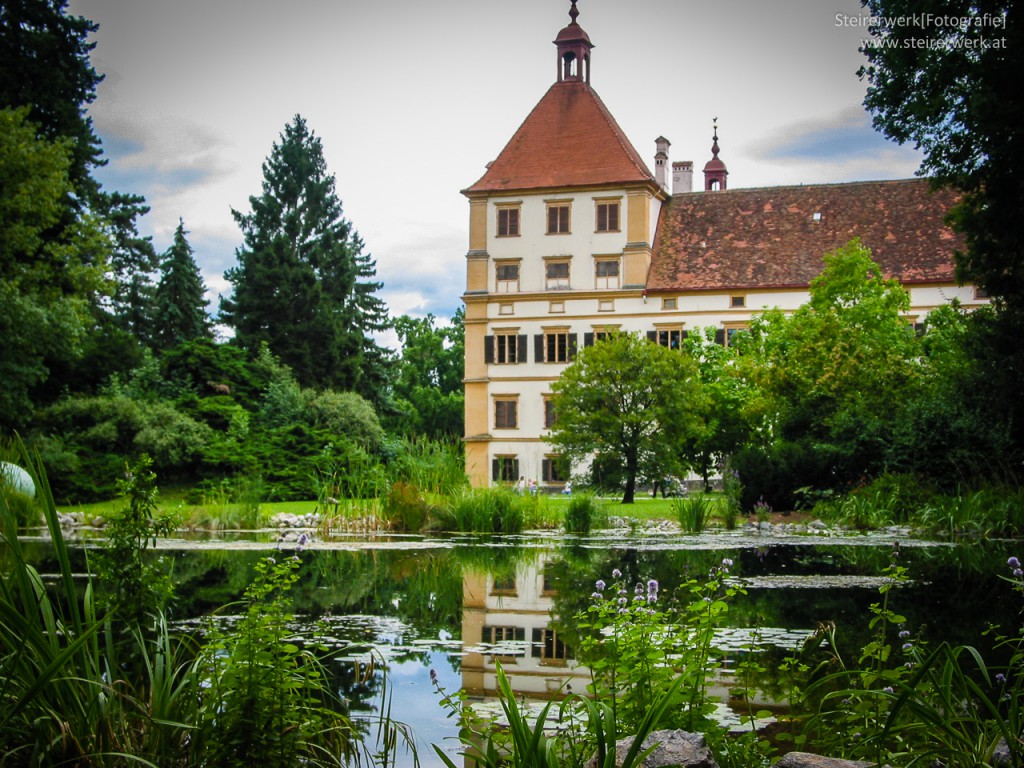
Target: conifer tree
(179,312)
(302,284)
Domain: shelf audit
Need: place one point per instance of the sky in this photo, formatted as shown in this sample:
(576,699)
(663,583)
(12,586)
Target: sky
(412,98)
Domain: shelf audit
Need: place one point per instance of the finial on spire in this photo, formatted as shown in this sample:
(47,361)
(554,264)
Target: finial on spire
(573,11)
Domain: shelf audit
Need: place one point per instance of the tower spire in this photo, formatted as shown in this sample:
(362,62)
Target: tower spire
(574,48)
(715,172)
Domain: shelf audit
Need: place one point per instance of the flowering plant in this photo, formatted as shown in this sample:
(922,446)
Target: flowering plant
(639,643)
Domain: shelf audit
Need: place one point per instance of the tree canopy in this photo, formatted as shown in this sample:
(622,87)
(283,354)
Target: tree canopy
(953,91)
(630,400)
(179,311)
(303,285)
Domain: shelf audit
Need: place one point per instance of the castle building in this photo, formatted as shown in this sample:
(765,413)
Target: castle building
(571,235)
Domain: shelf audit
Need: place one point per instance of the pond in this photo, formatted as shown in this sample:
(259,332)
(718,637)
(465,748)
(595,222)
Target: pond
(459,604)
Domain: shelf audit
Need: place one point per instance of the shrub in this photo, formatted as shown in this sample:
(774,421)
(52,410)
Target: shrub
(582,513)
(405,508)
(488,510)
(692,512)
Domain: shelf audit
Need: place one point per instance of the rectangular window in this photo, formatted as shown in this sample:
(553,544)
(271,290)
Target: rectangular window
(558,218)
(669,303)
(549,413)
(556,275)
(505,469)
(729,337)
(554,469)
(509,348)
(504,585)
(608,217)
(737,302)
(508,277)
(669,337)
(505,634)
(506,414)
(548,647)
(508,221)
(606,273)
(556,347)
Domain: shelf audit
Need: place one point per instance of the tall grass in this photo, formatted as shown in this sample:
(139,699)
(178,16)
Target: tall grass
(584,512)
(82,688)
(486,510)
(692,512)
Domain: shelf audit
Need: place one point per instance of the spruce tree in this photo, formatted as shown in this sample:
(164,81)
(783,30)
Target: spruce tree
(179,312)
(302,284)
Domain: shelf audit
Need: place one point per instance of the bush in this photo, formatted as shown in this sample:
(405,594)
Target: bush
(488,510)
(692,512)
(776,472)
(583,513)
(405,508)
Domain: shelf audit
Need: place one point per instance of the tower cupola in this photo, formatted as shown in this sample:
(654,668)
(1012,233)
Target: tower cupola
(714,170)
(574,48)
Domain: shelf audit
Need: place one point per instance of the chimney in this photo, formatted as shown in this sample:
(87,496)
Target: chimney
(682,176)
(661,161)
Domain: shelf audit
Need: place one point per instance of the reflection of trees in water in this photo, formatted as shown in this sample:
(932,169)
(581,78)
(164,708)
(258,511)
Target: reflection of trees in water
(953,595)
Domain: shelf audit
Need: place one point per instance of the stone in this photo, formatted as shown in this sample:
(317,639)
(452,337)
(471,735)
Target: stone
(676,749)
(809,760)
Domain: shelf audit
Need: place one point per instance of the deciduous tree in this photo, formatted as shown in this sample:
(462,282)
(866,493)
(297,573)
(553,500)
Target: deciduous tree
(630,399)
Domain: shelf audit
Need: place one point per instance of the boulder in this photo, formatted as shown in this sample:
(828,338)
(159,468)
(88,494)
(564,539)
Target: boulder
(676,749)
(808,760)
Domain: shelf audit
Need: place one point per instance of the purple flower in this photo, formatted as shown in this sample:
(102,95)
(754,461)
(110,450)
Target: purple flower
(597,595)
(623,602)
(1017,572)
(600,585)
(433,676)
(904,634)
(726,562)
(616,574)
(1013,562)
(1000,679)
(887,689)
(908,646)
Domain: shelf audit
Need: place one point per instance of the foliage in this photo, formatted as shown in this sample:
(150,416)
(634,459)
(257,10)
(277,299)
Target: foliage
(628,398)
(730,399)
(692,512)
(428,383)
(179,312)
(51,270)
(264,698)
(303,286)
(830,372)
(135,588)
(44,64)
(639,645)
(904,704)
(405,509)
(584,512)
(528,745)
(485,510)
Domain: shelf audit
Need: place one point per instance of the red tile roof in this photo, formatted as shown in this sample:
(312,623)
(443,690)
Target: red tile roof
(772,237)
(569,139)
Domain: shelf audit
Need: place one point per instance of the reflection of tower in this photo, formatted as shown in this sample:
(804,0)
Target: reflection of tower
(506,617)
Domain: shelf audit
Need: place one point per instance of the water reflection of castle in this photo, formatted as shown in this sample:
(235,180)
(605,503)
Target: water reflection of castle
(507,618)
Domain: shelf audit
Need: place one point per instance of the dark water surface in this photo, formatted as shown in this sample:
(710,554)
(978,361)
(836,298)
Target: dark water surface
(457,604)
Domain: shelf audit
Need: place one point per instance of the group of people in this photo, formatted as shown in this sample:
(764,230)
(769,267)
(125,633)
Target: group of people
(530,486)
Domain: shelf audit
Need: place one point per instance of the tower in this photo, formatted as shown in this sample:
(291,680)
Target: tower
(574,48)
(714,170)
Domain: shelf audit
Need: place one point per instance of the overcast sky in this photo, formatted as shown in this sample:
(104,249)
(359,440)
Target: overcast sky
(412,98)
